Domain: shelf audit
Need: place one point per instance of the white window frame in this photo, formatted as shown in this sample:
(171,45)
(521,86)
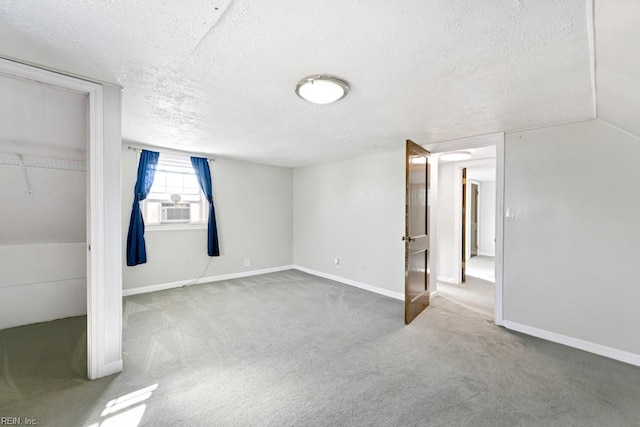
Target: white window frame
(181,161)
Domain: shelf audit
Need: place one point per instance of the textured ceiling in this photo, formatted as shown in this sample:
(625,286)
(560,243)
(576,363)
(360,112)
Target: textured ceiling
(219,77)
(618,63)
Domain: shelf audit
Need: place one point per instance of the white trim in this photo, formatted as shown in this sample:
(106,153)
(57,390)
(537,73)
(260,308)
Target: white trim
(486,254)
(175,227)
(499,248)
(375,289)
(189,282)
(618,129)
(434,293)
(433,261)
(181,283)
(591,34)
(15,69)
(95,239)
(457,220)
(444,279)
(602,350)
(96,334)
(113,368)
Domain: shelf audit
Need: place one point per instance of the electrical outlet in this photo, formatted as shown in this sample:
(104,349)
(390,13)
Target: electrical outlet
(337,262)
(247,262)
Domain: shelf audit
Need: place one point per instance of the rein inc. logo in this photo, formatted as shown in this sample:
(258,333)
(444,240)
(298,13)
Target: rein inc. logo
(18,421)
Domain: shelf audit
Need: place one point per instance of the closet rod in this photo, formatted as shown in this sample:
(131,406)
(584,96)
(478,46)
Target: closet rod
(171,151)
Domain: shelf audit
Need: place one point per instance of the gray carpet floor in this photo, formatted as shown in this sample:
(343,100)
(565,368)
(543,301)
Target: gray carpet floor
(290,349)
(474,294)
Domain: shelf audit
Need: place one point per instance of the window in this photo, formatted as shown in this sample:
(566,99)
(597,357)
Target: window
(175,196)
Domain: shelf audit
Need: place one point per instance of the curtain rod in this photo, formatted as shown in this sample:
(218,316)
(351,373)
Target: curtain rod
(171,151)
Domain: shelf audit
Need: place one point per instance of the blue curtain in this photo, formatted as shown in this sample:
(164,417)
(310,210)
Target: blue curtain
(201,167)
(136,249)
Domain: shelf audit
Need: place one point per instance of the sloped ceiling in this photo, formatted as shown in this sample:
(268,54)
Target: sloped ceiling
(617,24)
(219,77)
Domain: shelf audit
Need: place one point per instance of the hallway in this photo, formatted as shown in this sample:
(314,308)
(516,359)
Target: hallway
(478,292)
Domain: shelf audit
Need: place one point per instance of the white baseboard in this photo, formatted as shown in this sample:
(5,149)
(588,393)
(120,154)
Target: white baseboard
(189,282)
(113,367)
(181,283)
(375,289)
(612,353)
(445,279)
(434,294)
(489,254)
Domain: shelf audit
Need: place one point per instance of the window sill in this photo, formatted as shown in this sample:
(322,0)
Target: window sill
(175,227)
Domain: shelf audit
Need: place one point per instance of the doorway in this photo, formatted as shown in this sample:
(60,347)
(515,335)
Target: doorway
(470,238)
(43,232)
(103,253)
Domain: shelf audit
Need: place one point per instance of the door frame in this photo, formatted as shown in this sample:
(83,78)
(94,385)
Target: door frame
(104,256)
(496,139)
(470,195)
(462,217)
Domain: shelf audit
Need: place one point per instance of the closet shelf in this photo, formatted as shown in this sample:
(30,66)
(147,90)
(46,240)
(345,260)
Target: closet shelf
(42,162)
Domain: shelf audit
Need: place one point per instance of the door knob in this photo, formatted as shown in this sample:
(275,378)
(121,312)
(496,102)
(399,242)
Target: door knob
(408,239)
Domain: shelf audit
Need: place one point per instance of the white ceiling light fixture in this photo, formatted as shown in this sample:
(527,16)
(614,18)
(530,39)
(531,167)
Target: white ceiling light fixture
(455,156)
(322,89)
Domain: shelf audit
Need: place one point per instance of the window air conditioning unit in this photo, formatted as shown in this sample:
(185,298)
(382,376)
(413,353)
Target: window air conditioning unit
(175,212)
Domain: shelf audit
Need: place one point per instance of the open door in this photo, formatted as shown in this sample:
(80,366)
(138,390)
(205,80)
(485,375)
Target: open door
(473,223)
(416,235)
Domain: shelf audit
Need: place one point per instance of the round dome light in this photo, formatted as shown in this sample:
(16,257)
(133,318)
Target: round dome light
(322,89)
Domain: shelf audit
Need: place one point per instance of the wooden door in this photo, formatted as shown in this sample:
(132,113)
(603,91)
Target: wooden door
(416,236)
(473,223)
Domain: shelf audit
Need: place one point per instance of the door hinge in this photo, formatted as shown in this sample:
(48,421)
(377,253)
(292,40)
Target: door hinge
(464,180)
(464,264)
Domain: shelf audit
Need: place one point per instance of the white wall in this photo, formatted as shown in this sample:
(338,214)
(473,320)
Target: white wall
(254,214)
(487,226)
(617,41)
(572,249)
(42,282)
(352,210)
(39,113)
(447,223)
(42,234)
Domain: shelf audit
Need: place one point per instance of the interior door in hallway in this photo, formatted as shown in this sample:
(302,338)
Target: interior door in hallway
(416,236)
(473,224)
